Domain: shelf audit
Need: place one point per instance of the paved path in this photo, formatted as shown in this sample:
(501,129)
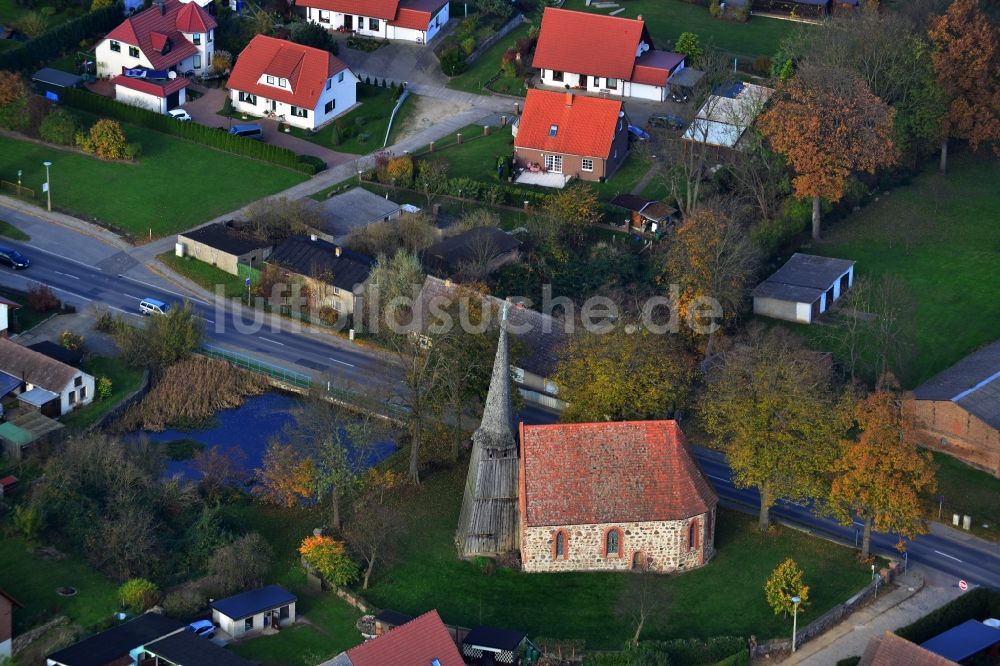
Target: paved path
(910,601)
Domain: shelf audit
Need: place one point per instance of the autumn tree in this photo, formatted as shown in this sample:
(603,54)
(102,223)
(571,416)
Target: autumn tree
(784,583)
(432,178)
(376,524)
(772,409)
(882,474)
(392,288)
(823,143)
(966,59)
(284,477)
(138,595)
(627,373)
(239,565)
(106,139)
(13,101)
(712,257)
(330,559)
(573,210)
(222,61)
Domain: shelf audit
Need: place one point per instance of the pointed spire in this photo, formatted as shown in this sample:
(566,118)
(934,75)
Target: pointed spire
(498,415)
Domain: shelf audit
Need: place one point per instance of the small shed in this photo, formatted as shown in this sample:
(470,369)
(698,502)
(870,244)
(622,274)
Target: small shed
(390,619)
(487,646)
(48,79)
(266,607)
(354,209)
(27,429)
(224,245)
(804,288)
(645,214)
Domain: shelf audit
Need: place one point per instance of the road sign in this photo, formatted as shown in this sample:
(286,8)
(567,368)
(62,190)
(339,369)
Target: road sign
(247,282)
(962,585)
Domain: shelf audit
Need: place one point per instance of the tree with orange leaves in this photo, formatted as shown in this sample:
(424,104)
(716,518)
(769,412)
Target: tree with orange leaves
(966,60)
(284,477)
(329,557)
(881,473)
(828,124)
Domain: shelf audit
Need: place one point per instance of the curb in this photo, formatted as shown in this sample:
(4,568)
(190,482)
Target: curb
(82,227)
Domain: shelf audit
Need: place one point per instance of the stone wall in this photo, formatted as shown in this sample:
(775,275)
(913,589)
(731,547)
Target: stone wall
(949,428)
(664,544)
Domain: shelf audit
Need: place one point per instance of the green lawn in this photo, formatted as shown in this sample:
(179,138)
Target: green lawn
(724,597)
(667,19)
(10,231)
(367,123)
(205,275)
(124,380)
(11,11)
(175,185)
(485,66)
(939,235)
(967,491)
(33,580)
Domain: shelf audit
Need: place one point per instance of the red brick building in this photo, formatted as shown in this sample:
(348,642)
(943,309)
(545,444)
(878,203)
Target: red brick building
(7,604)
(612,496)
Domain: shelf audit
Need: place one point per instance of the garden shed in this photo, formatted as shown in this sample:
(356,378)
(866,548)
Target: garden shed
(492,645)
(804,288)
(265,607)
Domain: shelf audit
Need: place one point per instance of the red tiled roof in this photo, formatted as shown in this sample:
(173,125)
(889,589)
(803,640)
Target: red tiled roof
(419,641)
(891,650)
(382,9)
(587,43)
(587,127)
(631,471)
(655,67)
(149,30)
(415,19)
(158,88)
(306,69)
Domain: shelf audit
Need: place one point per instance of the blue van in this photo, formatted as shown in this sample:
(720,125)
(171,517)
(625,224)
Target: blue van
(252,131)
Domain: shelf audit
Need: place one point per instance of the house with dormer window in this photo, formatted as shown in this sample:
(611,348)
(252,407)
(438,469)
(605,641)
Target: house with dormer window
(626,65)
(405,20)
(147,55)
(303,86)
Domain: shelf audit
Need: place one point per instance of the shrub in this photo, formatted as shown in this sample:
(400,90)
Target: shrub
(104,388)
(41,298)
(452,62)
(330,559)
(33,24)
(762,66)
(13,101)
(104,321)
(48,11)
(138,595)
(101,4)
(28,521)
(468,45)
(59,127)
(399,171)
(785,583)
(106,140)
(184,603)
(314,35)
(71,341)
(312,162)
(222,61)
(66,36)
(715,9)
(689,44)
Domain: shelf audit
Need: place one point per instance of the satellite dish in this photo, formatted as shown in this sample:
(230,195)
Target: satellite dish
(172,75)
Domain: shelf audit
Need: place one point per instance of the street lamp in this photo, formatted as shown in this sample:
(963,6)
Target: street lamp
(795,618)
(19,182)
(48,184)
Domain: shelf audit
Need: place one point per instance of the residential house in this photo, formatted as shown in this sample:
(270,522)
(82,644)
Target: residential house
(610,55)
(354,209)
(645,214)
(186,649)
(472,254)
(7,604)
(612,497)
(224,245)
(726,115)
(170,38)
(804,288)
(334,275)
(304,86)
(119,646)
(52,387)
(891,650)
(405,20)
(424,641)
(5,315)
(486,646)
(254,610)
(561,136)
(958,410)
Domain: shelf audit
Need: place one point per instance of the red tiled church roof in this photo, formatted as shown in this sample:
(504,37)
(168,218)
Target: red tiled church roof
(419,641)
(588,473)
(585,126)
(587,43)
(158,88)
(150,30)
(307,70)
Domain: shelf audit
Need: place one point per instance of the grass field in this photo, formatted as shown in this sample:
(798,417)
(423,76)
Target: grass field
(175,185)
(205,275)
(124,380)
(370,118)
(488,64)
(667,19)
(967,491)
(33,581)
(724,597)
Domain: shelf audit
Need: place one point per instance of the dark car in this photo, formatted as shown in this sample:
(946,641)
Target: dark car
(666,120)
(638,133)
(679,95)
(13,258)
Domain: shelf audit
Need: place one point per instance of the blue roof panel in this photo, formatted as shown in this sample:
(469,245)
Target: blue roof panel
(963,641)
(255,601)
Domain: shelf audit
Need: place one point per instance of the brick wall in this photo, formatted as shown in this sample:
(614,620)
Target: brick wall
(664,543)
(949,428)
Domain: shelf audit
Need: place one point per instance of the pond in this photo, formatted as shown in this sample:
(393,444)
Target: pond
(247,428)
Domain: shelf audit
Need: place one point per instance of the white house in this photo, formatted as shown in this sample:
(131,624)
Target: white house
(53,387)
(305,86)
(172,35)
(5,308)
(804,288)
(405,20)
(253,610)
(602,54)
(156,95)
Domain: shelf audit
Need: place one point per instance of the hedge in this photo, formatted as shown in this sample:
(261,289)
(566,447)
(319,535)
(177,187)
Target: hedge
(715,651)
(209,136)
(64,37)
(977,604)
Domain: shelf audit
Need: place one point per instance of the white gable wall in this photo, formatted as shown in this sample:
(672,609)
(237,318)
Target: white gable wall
(342,93)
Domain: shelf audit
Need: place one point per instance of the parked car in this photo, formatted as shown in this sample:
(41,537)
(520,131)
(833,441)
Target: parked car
(253,131)
(13,258)
(679,95)
(179,114)
(203,628)
(638,133)
(151,306)
(666,120)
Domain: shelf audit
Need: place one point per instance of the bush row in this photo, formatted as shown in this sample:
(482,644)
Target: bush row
(715,651)
(208,136)
(67,36)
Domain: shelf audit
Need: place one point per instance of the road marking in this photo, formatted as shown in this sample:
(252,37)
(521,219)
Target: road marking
(138,298)
(63,257)
(337,360)
(208,320)
(950,557)
(274,342)
(68,275)
(169,291)
(75,295)
(717,478)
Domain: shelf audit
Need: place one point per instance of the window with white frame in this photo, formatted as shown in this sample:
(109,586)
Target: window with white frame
(196,39)
(373,24)
(248,98)
(340,77)
(324,16)
(196,61)
(116,46)
(270,79)
(557,75)
(300,113)
(133,51)
(611,83)
(211,36)
(330,106)
(553,163)
(587,164)
(283,83)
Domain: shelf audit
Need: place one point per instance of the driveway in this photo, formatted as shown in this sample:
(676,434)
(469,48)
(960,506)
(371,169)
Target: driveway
(396,61)
(204,110)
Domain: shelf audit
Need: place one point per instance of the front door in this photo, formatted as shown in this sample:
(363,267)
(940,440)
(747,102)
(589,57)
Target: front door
(583,81)
(348,22)
(274,106)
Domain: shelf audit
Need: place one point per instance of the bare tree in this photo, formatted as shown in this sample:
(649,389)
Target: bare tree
(276,218)
(376,525)
(759,173)
(432,178)
(643,602)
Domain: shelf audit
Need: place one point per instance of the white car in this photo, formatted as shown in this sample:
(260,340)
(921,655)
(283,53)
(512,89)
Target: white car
(179,114)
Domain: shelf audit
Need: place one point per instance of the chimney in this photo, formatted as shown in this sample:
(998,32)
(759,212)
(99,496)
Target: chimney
(313,237)
(639,17)
(569,98)
(447,283)
(337,251)
(163,7)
